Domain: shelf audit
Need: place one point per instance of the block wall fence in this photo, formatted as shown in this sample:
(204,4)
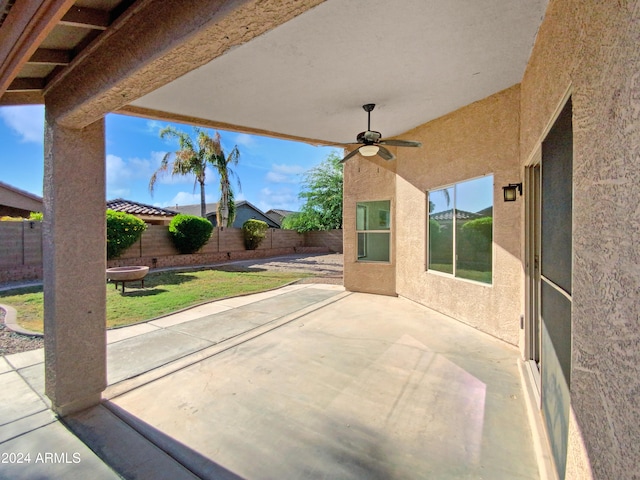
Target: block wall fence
(21,248)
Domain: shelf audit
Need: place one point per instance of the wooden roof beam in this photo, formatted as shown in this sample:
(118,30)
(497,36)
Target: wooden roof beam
(26,84)
(49,56)
(86,18)
(30,97)
(24,29)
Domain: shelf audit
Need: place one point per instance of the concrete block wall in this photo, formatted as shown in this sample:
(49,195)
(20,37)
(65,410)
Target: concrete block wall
(331,239)
(20,243)
(21,248)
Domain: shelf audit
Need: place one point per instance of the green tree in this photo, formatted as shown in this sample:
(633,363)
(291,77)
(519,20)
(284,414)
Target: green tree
(192,158)
(226,211)
(322,193)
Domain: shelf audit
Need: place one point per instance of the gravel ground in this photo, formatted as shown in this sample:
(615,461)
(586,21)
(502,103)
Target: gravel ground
(11,342)
(327,268)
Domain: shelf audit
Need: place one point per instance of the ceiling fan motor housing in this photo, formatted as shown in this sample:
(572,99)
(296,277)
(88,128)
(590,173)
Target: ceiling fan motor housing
(369,137)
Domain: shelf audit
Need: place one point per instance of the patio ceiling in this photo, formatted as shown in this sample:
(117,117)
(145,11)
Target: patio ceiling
(308,77)
(416,59)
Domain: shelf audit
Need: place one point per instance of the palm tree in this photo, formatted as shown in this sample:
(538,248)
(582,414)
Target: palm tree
(226,207)
(193,157)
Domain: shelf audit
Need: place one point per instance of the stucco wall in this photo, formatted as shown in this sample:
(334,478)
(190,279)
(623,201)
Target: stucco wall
(368,180)
(592,48)
(477,140)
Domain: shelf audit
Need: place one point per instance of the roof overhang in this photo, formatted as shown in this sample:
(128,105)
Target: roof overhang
(293,69)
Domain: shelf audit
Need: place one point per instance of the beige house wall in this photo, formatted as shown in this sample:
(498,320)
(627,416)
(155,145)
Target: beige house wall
(591,49)
(367,180)
(477,140)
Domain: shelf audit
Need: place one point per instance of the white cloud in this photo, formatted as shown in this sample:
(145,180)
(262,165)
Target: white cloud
(123,174)
(119,170)
(288,169)
(116,168)
(118,177)
(245,140)
(281,173)
(27,121)
(154,127)
(274,177)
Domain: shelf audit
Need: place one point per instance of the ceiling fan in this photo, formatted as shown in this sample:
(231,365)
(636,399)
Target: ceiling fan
(372,143)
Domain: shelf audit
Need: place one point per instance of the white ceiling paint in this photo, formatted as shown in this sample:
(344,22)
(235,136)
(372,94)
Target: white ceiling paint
(416,59)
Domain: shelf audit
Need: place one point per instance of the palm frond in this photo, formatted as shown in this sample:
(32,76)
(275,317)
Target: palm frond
(162,170)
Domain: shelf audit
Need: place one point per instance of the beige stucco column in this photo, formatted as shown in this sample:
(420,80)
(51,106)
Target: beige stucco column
(74,265)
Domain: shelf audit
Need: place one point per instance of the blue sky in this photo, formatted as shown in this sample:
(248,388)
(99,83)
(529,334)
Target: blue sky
(270,170)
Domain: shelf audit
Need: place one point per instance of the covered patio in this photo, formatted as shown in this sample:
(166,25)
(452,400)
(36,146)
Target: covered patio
(541,95)
(307,381)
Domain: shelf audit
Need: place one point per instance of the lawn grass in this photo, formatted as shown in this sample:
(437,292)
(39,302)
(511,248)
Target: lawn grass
(164,292)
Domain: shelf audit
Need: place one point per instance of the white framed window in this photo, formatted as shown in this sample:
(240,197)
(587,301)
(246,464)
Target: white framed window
(460,229)
(373,230)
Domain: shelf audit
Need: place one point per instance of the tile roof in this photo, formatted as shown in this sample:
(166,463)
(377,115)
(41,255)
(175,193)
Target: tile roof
(460,215)
(136,208)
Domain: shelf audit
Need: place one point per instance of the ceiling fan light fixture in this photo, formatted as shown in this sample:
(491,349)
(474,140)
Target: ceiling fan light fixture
(368,150)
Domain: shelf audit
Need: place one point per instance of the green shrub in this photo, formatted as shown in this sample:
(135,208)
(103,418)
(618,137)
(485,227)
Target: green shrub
(479,232)
(35,216)
(474,247)
(123,230)
(254,232)
(189,233)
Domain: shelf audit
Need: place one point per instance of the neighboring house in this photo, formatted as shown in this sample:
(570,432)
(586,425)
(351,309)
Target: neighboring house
(18,203)
(150,214)
(195,209)
(244,211)
(278,215)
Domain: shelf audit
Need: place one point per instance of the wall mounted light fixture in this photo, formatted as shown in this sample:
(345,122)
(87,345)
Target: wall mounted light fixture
(510,191)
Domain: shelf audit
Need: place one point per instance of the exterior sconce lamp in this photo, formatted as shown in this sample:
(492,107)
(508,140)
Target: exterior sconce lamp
(510,191)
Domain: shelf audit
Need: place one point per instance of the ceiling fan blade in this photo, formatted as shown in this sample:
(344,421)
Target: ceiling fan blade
(400,143)
(349,155)
(385,154)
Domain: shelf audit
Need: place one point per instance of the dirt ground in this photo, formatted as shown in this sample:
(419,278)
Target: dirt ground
(326,268)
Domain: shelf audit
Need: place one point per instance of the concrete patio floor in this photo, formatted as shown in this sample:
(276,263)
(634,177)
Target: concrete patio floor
(307,381)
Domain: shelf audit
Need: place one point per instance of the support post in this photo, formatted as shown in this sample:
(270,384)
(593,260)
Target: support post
(74,264)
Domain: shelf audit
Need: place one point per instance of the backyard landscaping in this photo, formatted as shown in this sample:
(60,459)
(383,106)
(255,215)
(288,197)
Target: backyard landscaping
(164,292)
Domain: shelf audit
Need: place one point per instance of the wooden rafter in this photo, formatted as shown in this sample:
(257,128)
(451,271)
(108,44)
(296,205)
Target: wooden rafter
(26,84)
(26,25)
(48,56)
(86,18)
